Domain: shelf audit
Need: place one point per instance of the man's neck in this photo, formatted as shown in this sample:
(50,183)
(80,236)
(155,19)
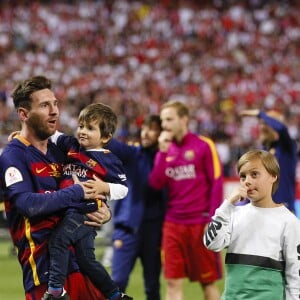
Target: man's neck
(41,145)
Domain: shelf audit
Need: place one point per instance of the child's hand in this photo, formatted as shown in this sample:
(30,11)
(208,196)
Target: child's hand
(98,186)
(239,194)
(89,191)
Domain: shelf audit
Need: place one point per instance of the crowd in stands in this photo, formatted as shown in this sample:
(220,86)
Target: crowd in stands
(218,56)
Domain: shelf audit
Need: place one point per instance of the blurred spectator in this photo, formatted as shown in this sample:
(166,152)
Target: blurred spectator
(219,56)
(275,138)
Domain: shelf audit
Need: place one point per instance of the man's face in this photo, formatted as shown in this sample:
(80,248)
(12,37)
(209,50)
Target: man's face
(150,134)
(172,123)
(43,116)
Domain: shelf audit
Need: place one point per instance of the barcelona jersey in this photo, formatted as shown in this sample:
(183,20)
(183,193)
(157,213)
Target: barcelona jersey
(34,204)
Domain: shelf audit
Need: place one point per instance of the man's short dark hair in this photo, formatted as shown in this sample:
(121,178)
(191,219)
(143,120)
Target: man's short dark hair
(23,91)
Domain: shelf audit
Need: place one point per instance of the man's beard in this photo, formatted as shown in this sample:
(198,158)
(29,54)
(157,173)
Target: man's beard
(42,132)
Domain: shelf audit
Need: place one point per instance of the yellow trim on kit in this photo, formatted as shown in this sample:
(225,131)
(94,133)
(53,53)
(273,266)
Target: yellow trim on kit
(23,140)
(216,162)
(31,258)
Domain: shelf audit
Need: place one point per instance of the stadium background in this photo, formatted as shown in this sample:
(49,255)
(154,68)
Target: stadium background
(218,56)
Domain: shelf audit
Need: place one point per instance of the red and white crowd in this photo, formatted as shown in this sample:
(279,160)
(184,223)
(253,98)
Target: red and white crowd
(218,56)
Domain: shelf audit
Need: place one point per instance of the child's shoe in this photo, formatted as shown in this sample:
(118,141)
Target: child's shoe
(125,297)
(63,296)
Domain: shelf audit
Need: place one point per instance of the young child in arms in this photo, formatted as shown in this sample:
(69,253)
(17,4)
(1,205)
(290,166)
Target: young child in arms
(87,159)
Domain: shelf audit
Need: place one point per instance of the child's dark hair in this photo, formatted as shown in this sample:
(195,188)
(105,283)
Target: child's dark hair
(103,114)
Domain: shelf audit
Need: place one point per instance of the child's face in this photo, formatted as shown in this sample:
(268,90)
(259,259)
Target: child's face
(258,182)
(89,135)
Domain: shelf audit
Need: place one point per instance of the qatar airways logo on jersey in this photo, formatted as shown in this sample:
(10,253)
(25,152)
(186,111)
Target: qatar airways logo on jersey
(70,169)
(181,172)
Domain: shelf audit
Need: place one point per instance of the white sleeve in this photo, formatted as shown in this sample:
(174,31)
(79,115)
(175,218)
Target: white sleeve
(292,260)
(217,235)
(55,136)
(117,191)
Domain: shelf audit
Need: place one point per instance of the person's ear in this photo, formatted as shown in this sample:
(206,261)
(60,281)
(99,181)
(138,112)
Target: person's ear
(23,113)
(274,178)
(105,140)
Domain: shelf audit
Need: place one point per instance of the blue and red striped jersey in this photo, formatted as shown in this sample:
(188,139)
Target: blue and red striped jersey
(34,204)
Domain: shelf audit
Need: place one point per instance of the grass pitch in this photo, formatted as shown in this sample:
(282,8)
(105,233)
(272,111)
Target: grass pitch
(11,278)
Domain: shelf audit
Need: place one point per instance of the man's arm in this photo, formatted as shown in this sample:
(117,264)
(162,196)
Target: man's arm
(157,177)
(123,151)
(214,171)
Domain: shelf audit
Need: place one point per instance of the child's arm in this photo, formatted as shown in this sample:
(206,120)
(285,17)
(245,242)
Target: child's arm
(113,191)
(291,253)
(218,233)
(117,191)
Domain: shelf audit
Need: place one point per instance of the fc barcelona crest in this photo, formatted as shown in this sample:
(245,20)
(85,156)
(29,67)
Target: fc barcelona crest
(189,155)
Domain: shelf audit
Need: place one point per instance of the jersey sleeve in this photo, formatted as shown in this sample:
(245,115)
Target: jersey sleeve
(157,177)
(117,191)
(35,204)
(64,142)
(280,128)
(115,176)
(218,233)
(22,189)
(124,152)
(292,260)
(213,168)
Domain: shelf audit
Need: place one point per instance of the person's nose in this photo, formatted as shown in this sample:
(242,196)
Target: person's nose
(54,110)
(248,181)
(81,130)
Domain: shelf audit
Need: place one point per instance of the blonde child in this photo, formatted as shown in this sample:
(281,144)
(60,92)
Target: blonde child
(262,238)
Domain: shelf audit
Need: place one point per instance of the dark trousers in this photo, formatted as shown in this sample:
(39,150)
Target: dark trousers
(72,231)
(144,244)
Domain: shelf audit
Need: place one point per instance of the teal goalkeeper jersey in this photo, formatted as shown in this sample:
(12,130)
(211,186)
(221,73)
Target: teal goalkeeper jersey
(263,251)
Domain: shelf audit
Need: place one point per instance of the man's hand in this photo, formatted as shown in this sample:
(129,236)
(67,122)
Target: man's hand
(103,214)
(97,218)
(13,134)
(164,140)
(249,113)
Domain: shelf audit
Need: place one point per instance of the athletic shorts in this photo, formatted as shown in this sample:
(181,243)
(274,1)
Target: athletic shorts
(184,254)
(78,287)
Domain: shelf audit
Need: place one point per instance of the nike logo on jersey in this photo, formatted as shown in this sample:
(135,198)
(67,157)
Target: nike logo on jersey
(70,153)
(170,158)
(38,171)
(42,169)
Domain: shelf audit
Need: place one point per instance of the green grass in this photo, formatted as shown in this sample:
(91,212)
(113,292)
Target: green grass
(11,279)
